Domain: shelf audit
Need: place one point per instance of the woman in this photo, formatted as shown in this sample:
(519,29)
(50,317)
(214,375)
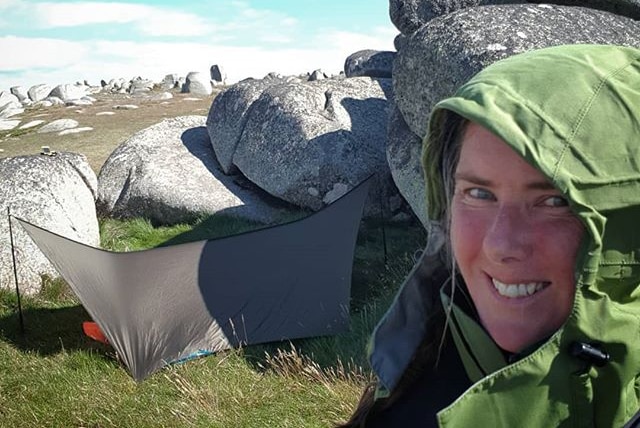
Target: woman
(530,315)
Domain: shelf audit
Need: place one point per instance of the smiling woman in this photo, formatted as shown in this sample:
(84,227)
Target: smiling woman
(529,315)
(515,241)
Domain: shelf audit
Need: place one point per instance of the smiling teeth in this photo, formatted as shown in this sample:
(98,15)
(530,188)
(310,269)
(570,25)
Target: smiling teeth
(517,290)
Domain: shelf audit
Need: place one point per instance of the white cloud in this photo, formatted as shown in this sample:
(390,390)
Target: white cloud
(236,20)
(67,62)
(55,15)
(250,15)
(154,21)
(4,4)
(39,52)
(179,24)
(263,41)
(160,21)
(259,24)
(380,38)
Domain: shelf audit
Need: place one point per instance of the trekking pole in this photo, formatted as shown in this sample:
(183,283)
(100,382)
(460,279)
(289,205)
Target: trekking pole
(15,271)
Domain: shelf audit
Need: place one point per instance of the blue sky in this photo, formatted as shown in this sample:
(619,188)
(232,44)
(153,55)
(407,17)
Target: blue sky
(66,41)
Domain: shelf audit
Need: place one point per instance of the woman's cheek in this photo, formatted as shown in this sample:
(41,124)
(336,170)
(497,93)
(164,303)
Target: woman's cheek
(468,226)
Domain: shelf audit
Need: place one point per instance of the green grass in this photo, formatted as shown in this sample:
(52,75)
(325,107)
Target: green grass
(17,132)
(53,376)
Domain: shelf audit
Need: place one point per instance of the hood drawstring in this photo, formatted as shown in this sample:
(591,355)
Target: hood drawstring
(592,353)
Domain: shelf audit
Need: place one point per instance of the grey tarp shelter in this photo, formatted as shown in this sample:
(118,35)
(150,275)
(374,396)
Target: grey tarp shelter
(164,304)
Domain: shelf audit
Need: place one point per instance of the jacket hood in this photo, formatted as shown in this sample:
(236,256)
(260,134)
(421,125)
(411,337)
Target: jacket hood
(573,112)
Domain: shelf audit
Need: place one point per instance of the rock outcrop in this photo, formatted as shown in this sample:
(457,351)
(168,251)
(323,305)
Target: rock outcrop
(218,76)
(448,50)
(369,63)
(409,16)
(168,173)
(228,116)
(197,83)
(68,92)
(307,143)
(53,192)
(39,92)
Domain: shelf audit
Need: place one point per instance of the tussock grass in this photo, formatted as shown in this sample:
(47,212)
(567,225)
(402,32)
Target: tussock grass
(54,376)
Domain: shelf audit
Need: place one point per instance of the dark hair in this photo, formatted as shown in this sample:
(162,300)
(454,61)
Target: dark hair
(447,134)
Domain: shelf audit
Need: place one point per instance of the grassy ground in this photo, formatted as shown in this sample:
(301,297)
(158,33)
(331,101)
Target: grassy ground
(53,376)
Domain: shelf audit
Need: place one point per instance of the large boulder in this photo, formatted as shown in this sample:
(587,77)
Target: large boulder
(119,85)
(20,93)
(409,15)
(369,63)
(170,81)
(227,117)
(450,49)
(317,74)
(197,83)
(404,150)
(308,143)
(628,8)
(39,92)
(218,75)
(68,92)
(140,85)
(168,174)
(10,105)
(53,192)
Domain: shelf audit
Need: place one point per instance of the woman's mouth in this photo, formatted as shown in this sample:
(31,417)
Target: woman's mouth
(518,290)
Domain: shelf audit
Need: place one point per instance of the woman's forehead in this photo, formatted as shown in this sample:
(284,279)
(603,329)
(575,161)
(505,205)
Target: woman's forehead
(486,159)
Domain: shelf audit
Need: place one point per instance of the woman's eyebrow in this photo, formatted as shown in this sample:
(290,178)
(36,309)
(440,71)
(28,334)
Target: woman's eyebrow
(471,178)
(480,181)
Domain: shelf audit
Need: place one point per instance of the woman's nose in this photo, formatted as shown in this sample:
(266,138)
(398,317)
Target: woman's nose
(508,237)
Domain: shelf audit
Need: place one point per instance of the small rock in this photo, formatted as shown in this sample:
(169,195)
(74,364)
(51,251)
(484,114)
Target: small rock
(125,107)
(55,101)
(58,125)
(75,130)
(317,75)
(32,124)
(105,113)
(80,102)
(43,103)
(8,124)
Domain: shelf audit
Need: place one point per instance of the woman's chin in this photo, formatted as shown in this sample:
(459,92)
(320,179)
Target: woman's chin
(514,340)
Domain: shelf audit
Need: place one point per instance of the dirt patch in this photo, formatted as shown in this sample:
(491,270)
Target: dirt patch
(109,130)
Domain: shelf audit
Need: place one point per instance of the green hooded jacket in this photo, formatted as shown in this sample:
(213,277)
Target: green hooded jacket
(573,112)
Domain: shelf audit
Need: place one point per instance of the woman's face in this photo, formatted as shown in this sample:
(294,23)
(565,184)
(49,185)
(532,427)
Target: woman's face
(515,241)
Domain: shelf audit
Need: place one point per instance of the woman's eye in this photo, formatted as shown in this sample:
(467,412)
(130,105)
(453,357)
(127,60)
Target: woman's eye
(479,193)
(555,201)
